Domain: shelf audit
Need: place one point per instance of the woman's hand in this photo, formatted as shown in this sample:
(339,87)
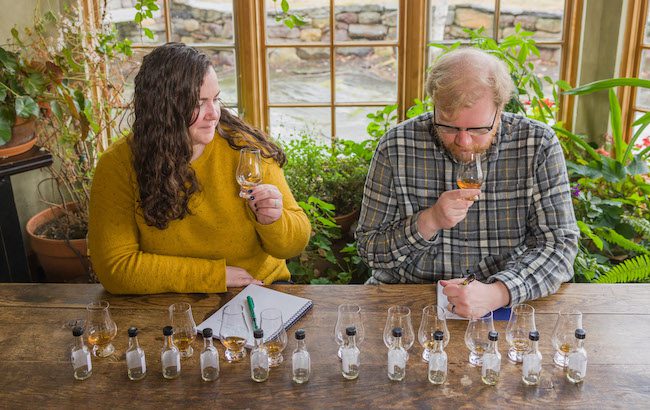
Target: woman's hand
(266,202)
(238,277)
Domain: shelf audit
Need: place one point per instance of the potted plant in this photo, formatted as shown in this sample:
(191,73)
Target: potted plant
(84,102)
(21,87)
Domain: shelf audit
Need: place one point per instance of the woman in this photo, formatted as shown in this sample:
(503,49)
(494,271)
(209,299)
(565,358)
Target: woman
(165,214)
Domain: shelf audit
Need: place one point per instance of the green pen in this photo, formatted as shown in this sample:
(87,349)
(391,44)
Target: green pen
(251,309)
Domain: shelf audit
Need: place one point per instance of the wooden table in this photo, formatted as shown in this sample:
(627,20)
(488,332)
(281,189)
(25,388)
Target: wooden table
(35,336)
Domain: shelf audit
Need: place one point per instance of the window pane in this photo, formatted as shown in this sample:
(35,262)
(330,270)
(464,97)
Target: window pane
(366,74)
(224,64)
(205,21)
(644,139)
(290,123)
(366,20)
(547,64)
(129,69)
(316,13)
(544,18)
(299,74)
(448,18)
(351,122)
(122,14)
(643,94)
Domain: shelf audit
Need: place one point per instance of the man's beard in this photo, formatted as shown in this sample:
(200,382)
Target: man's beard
(463,156)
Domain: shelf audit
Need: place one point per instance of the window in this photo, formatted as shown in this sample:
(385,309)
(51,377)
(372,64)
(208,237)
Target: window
(205,24)
(549,20)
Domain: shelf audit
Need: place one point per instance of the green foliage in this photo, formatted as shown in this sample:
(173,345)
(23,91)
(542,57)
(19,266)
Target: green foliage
(640,226)
(635,269)
(289,19)
(145,9)
(381,121)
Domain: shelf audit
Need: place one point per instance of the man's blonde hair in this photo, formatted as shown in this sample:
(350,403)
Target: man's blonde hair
(461,77)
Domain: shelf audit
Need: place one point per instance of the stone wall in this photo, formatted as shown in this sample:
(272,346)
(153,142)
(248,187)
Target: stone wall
(194,22)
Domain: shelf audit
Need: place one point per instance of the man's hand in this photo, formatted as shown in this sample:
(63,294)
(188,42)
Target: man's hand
(238,277)
(463,298)
(450,208)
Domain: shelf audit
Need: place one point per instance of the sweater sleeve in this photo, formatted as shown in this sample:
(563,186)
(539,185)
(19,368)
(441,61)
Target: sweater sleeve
(113,240)
(289,235)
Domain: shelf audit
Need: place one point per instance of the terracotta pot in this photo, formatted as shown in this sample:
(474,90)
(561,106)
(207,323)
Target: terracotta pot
(346,221)
(57,257)
(22,138)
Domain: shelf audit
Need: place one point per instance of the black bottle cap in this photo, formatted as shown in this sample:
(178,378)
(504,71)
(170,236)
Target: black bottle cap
(534,336)
(168,331)
(258,333)
(438,335)
(580,333)
(133,331)
(351,331)
(207,333)
(300,334)
(77,331)
(397,332)
(493,336)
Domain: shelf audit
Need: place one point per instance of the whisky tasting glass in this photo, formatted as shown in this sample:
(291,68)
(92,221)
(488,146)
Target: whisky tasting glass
(521,323)
(433,318)
(563,338)
(275,335)
(476,335)
(348,315)
(180,315)
(470,174)
(249,170)
(399,316)
(100,328)
(234,332)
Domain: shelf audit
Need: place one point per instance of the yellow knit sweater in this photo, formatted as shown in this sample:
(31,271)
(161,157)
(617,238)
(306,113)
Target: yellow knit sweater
(191,254)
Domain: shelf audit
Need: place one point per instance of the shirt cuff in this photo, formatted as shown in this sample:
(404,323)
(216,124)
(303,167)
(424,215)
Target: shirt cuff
(414,237)
(514,283)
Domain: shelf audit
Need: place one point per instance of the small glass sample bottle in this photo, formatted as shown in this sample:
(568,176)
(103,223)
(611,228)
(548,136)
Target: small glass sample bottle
(532,361)
(397,357)
(80,356)
(491,361)
(350,354)
(438,359)
(576,367)
(170,356)
(136,365)
(300,360)
(259,358)
(209,358)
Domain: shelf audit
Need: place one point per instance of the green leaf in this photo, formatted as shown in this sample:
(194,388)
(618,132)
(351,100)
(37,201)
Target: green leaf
(34,84)
(3,93)
(148,32)
(578,140)
(586,230)
(284,4)
(635,269)
(5,129)
(605,84)
(26,107)
(8,60)
(289,23)
(138,17)
(617,128)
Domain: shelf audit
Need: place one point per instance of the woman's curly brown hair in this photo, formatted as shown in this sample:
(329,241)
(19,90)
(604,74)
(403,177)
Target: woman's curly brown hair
(167,89)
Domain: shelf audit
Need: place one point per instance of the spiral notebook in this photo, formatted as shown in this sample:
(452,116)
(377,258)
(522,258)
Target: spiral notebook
(292,308)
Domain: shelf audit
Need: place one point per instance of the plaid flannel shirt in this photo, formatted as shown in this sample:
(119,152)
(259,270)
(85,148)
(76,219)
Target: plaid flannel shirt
(522,231)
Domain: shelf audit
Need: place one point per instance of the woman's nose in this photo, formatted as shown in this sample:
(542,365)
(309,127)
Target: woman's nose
(212,111)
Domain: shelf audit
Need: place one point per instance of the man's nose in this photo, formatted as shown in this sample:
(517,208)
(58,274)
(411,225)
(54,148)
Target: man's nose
(463,138)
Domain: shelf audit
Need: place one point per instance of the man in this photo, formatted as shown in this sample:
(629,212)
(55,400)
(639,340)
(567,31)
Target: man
(517,234)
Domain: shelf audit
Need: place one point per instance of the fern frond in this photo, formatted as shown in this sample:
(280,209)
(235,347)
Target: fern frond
(635,269)
(640,225)
(615,238)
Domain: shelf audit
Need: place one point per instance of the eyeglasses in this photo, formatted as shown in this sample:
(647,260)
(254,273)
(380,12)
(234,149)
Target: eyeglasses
(473,131)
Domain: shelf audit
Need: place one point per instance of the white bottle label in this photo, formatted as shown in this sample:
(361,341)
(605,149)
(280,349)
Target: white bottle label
(300,361)
(490,361)
(396,358)
(438,363)
(348,358)
(578,362)
(209,359)
(135,359)
(81,358)
(171,358)
(531,364)
(260,359)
